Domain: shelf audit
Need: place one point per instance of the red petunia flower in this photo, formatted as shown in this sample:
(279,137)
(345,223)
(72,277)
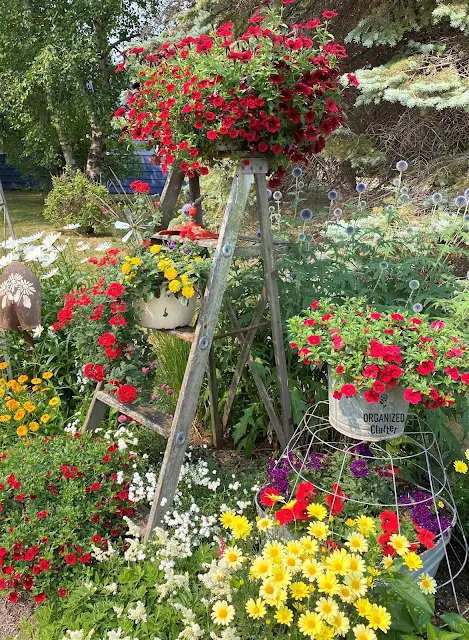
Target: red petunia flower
(426,538)
(315,339)
(348,390)
(412,396)
(306,492)
(266,494)
(371,395)
(107,339)
(425,367)
(284,516)
(389,521)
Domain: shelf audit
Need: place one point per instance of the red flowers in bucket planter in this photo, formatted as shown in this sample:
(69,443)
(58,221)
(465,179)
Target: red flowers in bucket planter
(273,89)
(371,353)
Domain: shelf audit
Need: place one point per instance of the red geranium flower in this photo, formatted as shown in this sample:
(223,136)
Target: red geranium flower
(389,522)
(127,393)
(107,339)
(265,496)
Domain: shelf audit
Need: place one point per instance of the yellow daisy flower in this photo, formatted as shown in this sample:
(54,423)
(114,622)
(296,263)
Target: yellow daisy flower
(340,623)
(427,584)
(45,418)
(155,248)
(284,616)
(317,511)
(279,577)
(12,404)
(357,542)
(34,426)
(357,583)
(412,561)
(5,418)
(226,518)
(379,618)
(299,590)
(356,563)
(240,527)
(36,381)
(399,543)
(309,623)
(460,466)
(327,608)
(233,557)
(23,378)
(311,569)
(363,607)
(222,613)
(365,525)
(318,530)
(273,551)
(338,562)
(53,402)
(255,608)
(3,365)
(362,632)
(19,415)
(309,544)
(268,592)
(260,568)
(327,583)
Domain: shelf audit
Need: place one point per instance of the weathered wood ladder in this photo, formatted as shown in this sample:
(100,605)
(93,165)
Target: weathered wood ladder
(201,357)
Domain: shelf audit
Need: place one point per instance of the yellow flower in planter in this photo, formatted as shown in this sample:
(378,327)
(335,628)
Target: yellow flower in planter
(34,426)
(260,568)
(357,542)
(170,273)
(126,268)
(136,261)
(47,375)
(309,544)
(29,406)
(427,584)
(365,525)
(53,402)
(22,430)
(174,286)
(155,248)
(340,624)
(317,511)
(19,415)
(240,527)
(327,608)
(188,291)
(318,530)
(311,569)
(2,392)
(185,280)
(399,543)
(460,466)
(413,561)
(363,607)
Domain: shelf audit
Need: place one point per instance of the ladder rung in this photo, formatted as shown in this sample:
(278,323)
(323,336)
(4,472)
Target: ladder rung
(184,333)
(144,414)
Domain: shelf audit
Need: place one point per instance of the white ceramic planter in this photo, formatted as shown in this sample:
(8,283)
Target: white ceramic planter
(362,420)
(165,312)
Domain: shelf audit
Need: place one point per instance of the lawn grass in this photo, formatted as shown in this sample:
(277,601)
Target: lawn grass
(25,209)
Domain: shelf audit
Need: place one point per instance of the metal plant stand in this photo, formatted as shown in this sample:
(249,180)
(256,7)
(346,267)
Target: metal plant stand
(417,452)
(201,357)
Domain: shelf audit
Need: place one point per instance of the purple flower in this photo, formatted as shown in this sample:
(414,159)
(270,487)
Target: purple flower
(277,475)
(187,250)
(359,468)
(315,461)
(362,449)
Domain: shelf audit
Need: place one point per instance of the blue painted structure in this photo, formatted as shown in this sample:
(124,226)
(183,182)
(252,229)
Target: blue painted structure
(10,177)
(150,173)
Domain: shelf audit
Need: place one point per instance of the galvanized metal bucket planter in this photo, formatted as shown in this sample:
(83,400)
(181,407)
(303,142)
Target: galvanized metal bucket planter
(362,420)
(165,312)
(279,532)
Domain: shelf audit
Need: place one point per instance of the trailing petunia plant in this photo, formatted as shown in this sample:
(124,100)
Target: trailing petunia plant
(273,90)
(370,351)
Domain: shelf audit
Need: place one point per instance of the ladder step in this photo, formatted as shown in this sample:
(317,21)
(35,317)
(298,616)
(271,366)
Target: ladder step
(184,333)
(144,414)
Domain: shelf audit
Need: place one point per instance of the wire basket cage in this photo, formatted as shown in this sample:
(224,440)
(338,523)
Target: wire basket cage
(404,475)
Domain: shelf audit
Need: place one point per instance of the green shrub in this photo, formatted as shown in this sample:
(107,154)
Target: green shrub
(76,200)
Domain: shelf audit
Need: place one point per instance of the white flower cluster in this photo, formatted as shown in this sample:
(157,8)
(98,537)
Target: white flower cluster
(217,580)
(137,614)
(192,630)
(229,633)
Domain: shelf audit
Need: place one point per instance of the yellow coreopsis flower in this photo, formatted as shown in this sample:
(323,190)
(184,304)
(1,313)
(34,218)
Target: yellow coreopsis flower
(299,590)
(264,523)
(310,623)
(155,248)
(357,542)
(226,518)
(12,404)
(327,608)
(53,402)
(36,381)
(460,466)
(233,557)
(412,561)
(260,568)
(255,608)
(363,607)
(188,291)
(365,525)
(327,583)
(174,286)
(284,616)
(316,510)
(45,418)
(222,613)
(34,426)
(240,527)
(170,273)
(362,632)
(47,375)
(318,530)
(22,430)
(399,543)
(29,406)
(427,584)
(273,551)
(379,618)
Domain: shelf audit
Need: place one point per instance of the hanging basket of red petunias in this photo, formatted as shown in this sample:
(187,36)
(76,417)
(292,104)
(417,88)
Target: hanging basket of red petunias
(274,89)
(379,363)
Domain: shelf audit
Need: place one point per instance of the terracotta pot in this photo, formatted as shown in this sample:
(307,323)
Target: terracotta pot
(362,420)
(165,312)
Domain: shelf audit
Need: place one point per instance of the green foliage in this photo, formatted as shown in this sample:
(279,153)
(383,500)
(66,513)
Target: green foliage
(76,200)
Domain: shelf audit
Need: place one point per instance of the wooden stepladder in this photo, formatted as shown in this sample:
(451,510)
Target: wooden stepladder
(201,358)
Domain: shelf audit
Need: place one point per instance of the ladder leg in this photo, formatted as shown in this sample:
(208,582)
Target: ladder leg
(96,412)
(198,357)
(217,427)
(270,274)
